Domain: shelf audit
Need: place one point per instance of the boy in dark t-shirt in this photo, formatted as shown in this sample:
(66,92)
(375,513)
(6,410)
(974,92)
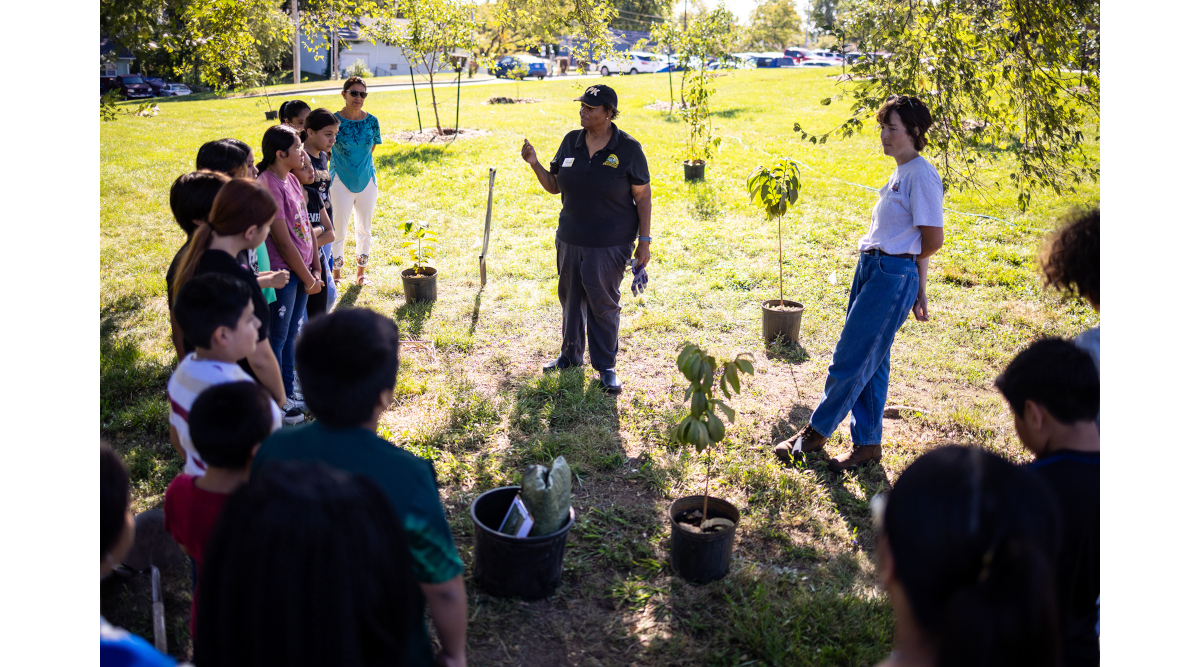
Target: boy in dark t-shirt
(1053,389)
(348,362)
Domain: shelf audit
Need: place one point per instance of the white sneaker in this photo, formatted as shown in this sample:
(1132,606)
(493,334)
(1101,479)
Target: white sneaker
(292,413)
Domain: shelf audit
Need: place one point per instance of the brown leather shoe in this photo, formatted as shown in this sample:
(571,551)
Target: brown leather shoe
(809,440)
(857,456)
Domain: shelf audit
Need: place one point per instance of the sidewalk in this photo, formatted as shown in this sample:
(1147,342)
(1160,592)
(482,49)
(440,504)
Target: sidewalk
(478,80)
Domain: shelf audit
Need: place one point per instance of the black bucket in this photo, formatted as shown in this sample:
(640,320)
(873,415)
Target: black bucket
(702,557)
(505,566)
(693,172)
(422,287)
(784,323)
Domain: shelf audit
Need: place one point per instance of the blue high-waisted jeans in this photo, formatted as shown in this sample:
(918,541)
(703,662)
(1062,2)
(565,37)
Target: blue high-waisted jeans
(883,293)
(286,312)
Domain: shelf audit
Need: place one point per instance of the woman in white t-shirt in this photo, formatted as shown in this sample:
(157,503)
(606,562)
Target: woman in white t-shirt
(906,229)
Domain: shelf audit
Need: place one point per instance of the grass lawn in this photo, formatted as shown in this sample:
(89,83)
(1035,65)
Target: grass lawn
(802,589)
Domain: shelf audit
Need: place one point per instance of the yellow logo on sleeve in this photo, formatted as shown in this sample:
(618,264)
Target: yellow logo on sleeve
(612,161)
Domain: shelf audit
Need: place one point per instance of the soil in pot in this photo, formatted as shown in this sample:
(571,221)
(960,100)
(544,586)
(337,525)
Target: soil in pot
(693,170)
(693,521)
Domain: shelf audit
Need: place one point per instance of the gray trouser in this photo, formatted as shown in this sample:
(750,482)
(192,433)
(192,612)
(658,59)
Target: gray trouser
(589,286)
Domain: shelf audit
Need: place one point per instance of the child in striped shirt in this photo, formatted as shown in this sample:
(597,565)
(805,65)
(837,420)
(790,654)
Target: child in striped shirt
(215,311)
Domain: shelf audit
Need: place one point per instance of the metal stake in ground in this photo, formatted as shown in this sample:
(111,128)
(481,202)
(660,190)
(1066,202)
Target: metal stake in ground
(487,230)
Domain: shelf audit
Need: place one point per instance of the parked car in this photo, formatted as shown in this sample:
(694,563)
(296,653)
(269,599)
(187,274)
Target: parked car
(508,63)
(132,86)
(156,84)
(830,55)
(638,62)
(799,55)
(774,60)
(176,89)
(107,83)
(817,62)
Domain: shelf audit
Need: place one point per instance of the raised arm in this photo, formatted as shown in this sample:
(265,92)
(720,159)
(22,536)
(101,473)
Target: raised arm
(549,181)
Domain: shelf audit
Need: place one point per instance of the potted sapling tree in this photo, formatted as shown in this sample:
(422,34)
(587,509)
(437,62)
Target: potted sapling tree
(700,141)
(773,190)
(703,528)
(420,279)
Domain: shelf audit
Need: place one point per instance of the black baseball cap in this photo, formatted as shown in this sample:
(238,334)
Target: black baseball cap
(598,95)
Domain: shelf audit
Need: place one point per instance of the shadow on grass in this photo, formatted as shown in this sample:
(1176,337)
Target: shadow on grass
(409,160)
(132,384)
(349,297)
(731,113)
(564,413)
(411,318)
(788,353)
(475,312)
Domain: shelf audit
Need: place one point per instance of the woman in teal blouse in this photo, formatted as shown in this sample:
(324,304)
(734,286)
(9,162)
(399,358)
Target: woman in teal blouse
(353,171)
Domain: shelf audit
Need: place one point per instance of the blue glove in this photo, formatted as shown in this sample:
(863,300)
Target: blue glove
(640,277)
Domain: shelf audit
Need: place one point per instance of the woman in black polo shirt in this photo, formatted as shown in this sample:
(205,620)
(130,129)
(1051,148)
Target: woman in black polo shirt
(604,180)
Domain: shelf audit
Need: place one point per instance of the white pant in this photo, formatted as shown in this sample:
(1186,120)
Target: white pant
(363,206)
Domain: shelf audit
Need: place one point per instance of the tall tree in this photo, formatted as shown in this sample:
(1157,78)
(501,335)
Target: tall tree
(825,15)
(640,15)
(1007,82)
(774,24)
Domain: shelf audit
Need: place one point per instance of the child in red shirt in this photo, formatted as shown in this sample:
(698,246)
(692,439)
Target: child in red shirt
(228,422)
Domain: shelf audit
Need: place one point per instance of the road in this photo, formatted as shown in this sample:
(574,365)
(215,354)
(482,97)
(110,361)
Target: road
(478,80)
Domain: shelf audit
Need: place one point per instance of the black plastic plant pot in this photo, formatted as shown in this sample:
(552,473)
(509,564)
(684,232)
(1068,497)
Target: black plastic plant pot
(784,323)
(271,115)
(419,286)
(529,568)
(702,557)
(693,171)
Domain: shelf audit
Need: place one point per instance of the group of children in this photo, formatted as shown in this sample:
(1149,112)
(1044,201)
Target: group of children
(323,543)
(989,563)
(315,545)
(268,225)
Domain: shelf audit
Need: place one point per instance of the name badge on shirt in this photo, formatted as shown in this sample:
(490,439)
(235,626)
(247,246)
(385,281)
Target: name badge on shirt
(568,161)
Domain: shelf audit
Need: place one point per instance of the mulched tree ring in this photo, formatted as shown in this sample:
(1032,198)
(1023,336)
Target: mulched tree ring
(512,100)
(430,135)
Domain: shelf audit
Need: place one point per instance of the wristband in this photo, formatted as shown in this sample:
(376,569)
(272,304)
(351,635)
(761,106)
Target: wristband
(647,239)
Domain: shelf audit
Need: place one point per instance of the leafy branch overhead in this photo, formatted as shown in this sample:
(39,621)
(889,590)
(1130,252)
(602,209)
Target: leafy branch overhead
(702,427)
(1005,80)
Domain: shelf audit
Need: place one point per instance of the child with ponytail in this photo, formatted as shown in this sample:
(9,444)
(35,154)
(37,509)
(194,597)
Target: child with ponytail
(966,550)
(240,219)
(292,113)
(290,246)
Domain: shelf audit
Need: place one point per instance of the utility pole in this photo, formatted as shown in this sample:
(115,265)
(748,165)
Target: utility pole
(685,4)
(295,44)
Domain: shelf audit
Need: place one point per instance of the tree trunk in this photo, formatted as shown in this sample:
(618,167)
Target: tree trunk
(780,219)
(433,93)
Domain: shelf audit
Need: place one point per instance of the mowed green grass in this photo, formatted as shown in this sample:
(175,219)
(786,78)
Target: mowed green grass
(802,590)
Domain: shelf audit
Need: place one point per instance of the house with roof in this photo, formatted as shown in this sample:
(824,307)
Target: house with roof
(113,61)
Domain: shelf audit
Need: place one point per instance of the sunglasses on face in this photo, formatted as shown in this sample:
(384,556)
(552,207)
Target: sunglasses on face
(355,93)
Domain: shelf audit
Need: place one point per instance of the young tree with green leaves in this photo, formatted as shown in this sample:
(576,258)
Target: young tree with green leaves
(433,30)
(710,35)
(1008,82)
(702,428)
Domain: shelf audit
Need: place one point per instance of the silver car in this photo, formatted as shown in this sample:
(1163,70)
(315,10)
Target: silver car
(176,89)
